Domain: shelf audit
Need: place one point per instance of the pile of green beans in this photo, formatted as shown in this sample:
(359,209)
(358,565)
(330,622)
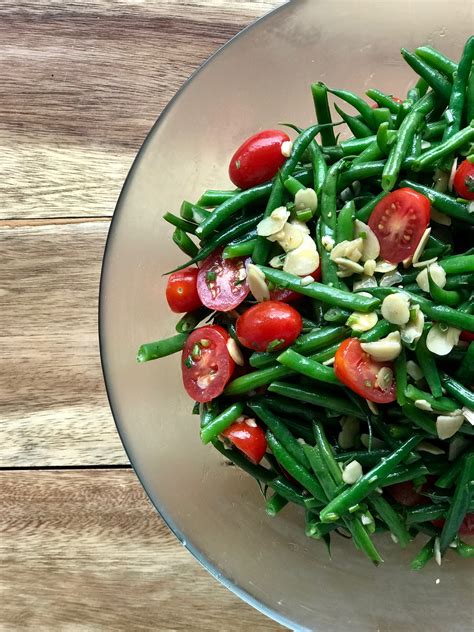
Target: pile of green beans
(329,451)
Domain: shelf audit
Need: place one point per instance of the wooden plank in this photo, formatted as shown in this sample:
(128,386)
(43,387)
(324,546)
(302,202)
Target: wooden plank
(54,409)
(83,82)
(84,550)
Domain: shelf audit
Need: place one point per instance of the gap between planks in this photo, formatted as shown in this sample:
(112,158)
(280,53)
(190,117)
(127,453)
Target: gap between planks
(51,221)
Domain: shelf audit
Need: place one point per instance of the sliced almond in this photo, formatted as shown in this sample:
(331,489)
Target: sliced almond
(384,379)
(301,226)
(277,262)
(289,238)
(385,349)
(352,472)
(396,308)
(234,352)
(385,266)
(440,218)
(360,322)
(369,267)
(430,448)
(286,148)
(437,274)
(327,243)
(371,246)
(274,223)
(347,265)
(413,330)
(349,433)
(414,371)
(257,283)
(365,282)
(448,425)
(306,198)
(422,404)
(348,250)
(304,259)
(441,340)
(425,263)
(468,415)
(391,278)
(421,245)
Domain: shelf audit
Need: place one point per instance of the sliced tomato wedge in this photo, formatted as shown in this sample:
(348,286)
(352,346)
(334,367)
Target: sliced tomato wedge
(357,370)
(222,283)
(464,180)
(288,296)
(249,438)
(399,221)
(206,364)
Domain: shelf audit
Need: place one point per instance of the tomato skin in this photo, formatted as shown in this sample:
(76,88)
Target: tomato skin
(289,296)
(181,291)
(398,221)
(266,322)
(205,375)
(357,370)
(464,180)
(405,494)
(466,528)
(222,283)
(257,159)
(248,438)
(467,336)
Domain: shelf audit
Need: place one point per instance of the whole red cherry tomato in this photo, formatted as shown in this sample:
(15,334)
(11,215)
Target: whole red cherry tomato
(257,159)
(181,291)
(464,180)
(249,438)
(269,326)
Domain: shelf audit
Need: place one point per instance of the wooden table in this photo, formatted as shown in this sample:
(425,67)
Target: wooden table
(81,548)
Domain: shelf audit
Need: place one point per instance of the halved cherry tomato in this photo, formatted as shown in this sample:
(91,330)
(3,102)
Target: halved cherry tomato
(248,438)
(257,159)
(269,326)
(464,180)
(399,220)
(466,528)
(222,283)
(405,494)
(357,370)
(288,296)
(181,291)
(206,364)
(468,336)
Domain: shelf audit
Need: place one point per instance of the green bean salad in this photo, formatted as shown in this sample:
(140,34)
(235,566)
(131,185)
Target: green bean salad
(327,321)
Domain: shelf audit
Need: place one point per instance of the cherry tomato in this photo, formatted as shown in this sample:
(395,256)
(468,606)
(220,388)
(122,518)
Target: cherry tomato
(468,336)
(221,283)
(206,364)
(357,370)
(269,326)
(181,291)
(464,180)
(466,528)
(399,220)
(257,159)
(405,494)
(248,438)
(288,296)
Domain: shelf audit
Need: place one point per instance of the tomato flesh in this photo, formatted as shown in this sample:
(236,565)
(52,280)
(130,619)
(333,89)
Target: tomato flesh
(405,494)
(357,370)
(248,438)
(257,159)
(288,296)
(464,180)
(181,291)
(206,364)
(466,528)
(399,221)
(269,326)
(222,283)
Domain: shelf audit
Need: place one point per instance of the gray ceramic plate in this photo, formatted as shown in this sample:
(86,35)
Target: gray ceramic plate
(261,77)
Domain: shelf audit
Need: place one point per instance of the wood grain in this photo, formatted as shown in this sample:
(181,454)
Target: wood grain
(54,408)
(83,82)
(84,550)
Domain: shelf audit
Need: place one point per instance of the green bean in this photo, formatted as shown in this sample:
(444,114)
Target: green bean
(255,379)
(308,367)
(373,152)
(470,97)
(289,491)
(399,150)
(382,115)
(434,131)
(292,409)
(239,249)
(442,202)
(440,313)
(319,166)
(425,513)
(193,212)
(179,222)
(459,504)
(448,478)
(328,266)
(391,517)
(362,539)
(365,212)
(293,185)
(464,549)
(367,483)
(311,396)
(401,377)
(294,468)
(442,295)
(323,113)
(383,100)
(328,196)
(275,504)
(457,264)
(364,457)
(413,95)
(328,295)
(316,529)
(280,431)
(465,372)
(366,112)
(440,404)
(216,198)
(237,458)
(221,422)
(453,142)
(405,473)
(424,556)
(361,172)
(161,348)
(398,432)
(351,147)
(327,453)
(185,244)
(313,455)
(437,81)
(464,395)
(336,315)
(189,321)
(437,60)
(422,87)
(420,419)
(385,138)
(357,127)
(345,222)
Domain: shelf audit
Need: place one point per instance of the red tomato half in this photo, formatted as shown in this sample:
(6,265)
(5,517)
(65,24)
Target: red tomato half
(181,291)
(248,438)
(405,494)
(399,220)
(467,336)
(464,180)
(222,283)
(466,528)
(357,370)
(206,364)
(288,296)
(269,326)
(257,159)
